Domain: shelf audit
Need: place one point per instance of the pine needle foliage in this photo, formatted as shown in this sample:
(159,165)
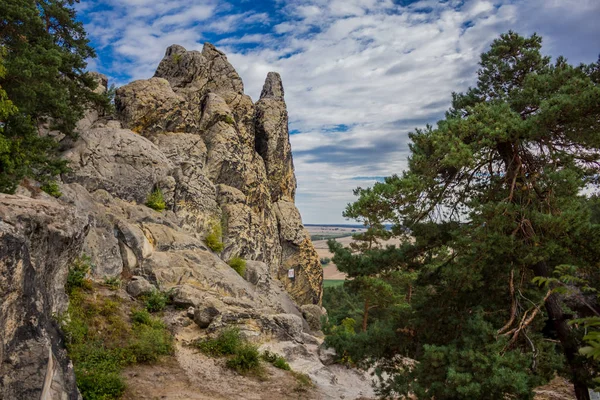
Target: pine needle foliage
(491,200)
(42,82)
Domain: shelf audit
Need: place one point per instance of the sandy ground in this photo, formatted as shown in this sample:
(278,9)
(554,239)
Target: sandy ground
(190,374)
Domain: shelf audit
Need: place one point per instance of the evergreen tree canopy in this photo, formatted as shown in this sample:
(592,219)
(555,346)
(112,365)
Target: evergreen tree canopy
(44,52)
(492,199)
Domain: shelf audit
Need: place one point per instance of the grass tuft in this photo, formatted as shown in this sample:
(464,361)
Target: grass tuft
(214,239)
(245,359)
(156,200)
(276,360)
(227,343)
(239,265)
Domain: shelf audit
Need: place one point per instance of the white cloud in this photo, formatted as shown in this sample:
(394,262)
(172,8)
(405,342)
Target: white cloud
(358,74)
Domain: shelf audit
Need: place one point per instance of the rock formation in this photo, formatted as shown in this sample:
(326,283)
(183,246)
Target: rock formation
(218,159)
(38,239)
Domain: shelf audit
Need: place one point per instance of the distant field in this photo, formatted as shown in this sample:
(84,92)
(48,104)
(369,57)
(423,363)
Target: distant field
(319,235)
(327,236)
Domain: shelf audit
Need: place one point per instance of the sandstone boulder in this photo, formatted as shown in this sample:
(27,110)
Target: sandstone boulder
(151,106)
(313,313)
(117,160)
(139,286)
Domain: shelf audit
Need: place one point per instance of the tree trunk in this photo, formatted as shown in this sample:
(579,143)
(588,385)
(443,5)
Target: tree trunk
(568,342)
(365,315)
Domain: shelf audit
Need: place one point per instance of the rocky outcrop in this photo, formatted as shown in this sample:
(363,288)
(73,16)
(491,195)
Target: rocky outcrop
(39,237)
(272,139)
(217,157)
(115,160)
(219,160)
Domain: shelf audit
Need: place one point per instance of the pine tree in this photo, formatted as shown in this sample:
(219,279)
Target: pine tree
(492,199)
(45,50)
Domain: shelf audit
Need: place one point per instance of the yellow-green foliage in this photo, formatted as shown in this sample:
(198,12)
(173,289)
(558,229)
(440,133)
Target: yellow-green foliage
(238,264)
(156,201)
(246,359)
(52,189)
(214,239)
(102,338)
(113,283)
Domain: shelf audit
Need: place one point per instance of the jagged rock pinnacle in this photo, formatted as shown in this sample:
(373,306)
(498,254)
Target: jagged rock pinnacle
(273,88)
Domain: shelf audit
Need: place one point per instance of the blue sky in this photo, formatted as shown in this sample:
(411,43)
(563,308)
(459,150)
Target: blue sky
(359,75)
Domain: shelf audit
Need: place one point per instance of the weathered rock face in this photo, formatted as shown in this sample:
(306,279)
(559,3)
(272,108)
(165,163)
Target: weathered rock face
(39,237)
(217,157)
(273,140)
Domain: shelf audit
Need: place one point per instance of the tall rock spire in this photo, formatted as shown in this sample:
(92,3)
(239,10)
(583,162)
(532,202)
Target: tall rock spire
(273,139)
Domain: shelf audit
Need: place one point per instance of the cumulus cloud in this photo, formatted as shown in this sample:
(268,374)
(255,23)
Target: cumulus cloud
(358,74)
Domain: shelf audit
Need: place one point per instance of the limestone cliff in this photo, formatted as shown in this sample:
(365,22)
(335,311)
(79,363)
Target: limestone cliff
(217,157)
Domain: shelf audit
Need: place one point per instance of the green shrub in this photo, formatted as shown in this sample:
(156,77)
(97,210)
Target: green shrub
(282,364)
(78,271)
(155,300)
(276,360)
(52,189)
(97,384)
(101,341)
(227,343)
(325,260)
(228,119)
(238,264)
(113,283)
(141,317)
(214,239)
(156,201)
(245,359)
(151,341)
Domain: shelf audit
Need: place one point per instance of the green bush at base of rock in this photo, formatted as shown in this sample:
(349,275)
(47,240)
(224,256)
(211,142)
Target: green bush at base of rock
(227,343)
(78,271)
(156,300)
(52,189)
(276,360)
(245,359)
(238,264)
